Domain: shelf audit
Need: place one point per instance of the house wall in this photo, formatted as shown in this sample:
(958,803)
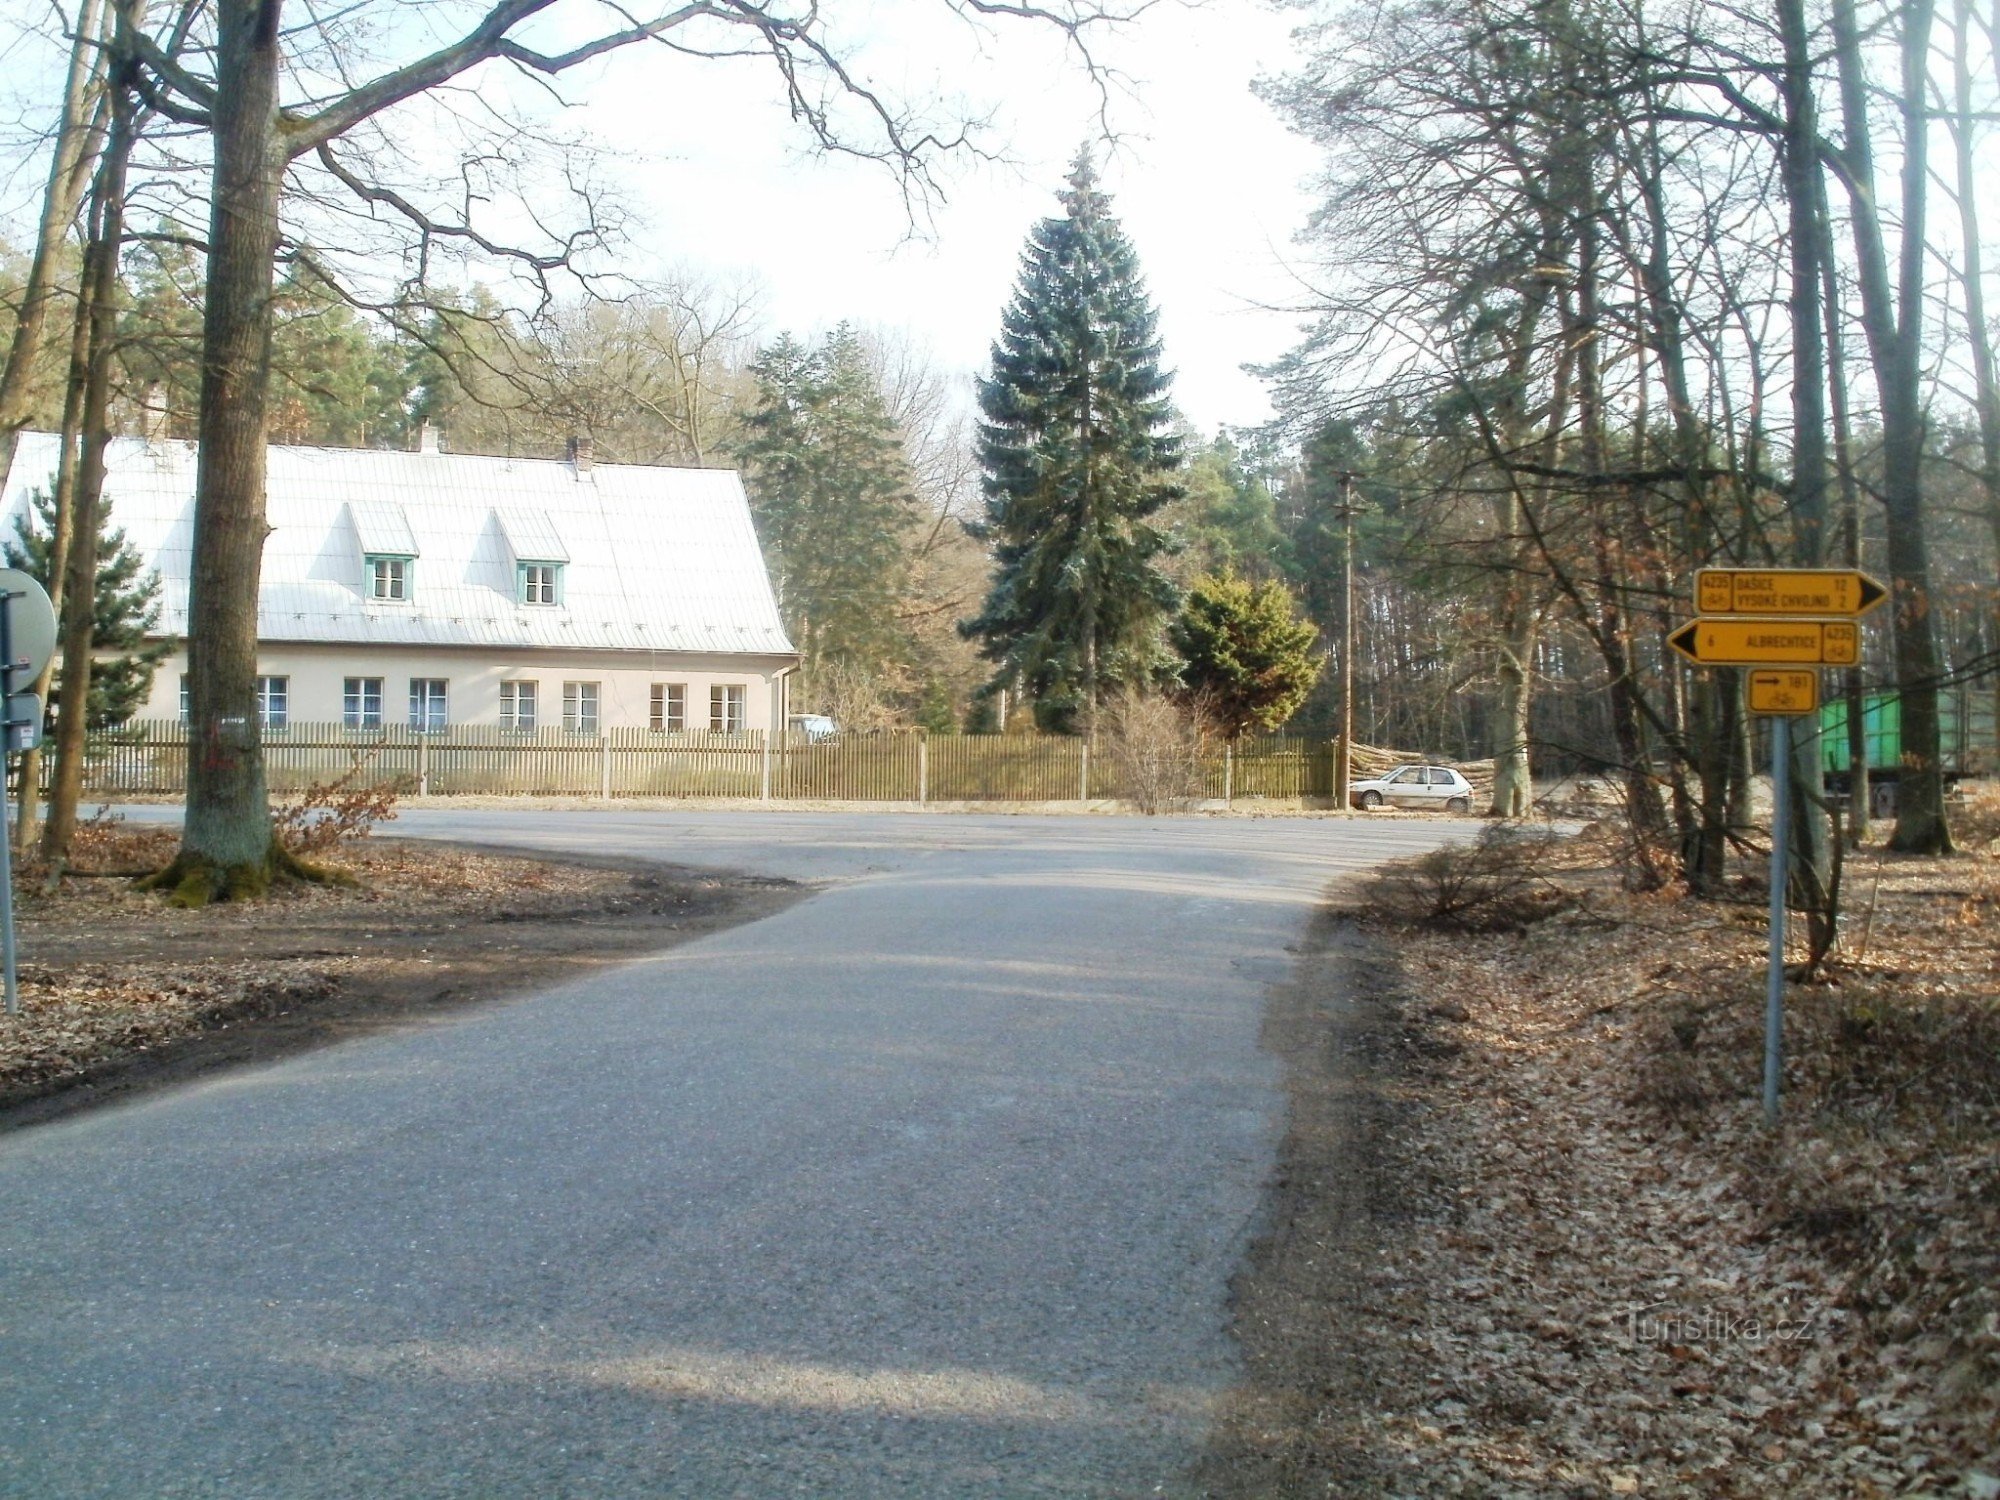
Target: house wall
(316,676)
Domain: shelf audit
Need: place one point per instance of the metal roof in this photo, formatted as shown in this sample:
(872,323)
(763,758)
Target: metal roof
(531,534)
(654,559)
(383,529)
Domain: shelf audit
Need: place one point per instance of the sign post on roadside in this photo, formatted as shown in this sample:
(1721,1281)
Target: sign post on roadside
(27,641)
(1840,593)
(1764,619)
(1728,642)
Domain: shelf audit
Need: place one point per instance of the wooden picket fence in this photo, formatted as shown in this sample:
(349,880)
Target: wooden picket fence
(150,758)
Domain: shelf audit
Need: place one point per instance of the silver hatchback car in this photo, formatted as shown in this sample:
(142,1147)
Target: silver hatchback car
(1431,787)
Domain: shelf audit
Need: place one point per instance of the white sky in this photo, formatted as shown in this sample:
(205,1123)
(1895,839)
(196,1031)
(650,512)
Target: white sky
(1204,179)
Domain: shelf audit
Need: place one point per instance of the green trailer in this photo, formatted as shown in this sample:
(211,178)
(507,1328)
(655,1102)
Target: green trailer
(1965,716)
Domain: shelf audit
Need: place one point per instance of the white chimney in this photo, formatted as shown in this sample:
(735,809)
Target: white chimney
(427,438)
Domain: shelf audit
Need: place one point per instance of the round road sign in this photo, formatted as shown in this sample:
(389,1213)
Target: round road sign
(31,621)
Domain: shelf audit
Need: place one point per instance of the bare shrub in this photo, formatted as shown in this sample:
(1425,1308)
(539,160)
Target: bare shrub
(1500,882)
(856,698)
(329,813)
(106,844)
(1155,750)
(1975,821)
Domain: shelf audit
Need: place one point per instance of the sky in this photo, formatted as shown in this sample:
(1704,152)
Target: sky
(719,180)
(1206,180)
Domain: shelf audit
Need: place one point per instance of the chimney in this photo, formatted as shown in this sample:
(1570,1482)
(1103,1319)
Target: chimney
(427,437)
(153,414)
(579,455)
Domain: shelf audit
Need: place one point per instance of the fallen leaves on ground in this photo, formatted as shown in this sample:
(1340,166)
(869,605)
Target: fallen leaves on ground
(111,973)
(1628,1284)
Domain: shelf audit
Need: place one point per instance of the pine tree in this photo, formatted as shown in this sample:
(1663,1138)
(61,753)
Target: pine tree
(1227,521)
(127,609)
(1249,661)
(1077,454)
(833,499)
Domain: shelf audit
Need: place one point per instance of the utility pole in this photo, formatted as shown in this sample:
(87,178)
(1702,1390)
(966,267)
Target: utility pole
(1343,756)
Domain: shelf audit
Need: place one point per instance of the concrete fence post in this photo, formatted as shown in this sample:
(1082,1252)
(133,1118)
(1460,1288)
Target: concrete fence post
(923,769)
(1083,780)
(423,765)
(604,767)
(764,738)
(1228,773)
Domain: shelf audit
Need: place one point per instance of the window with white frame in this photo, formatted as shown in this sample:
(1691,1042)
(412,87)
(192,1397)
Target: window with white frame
(517,705)
(361,702)
(670,702)
(389,577)
(272,696)
(541,583)
(427,703)
(580,707)
(187,699)
(725,708)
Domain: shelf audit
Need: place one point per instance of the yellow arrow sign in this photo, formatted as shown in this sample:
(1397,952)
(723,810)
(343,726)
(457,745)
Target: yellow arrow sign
(1785,591)
(1757,643)
(1783,690)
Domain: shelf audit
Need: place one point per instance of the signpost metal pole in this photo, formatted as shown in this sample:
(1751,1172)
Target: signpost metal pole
(7,598)
(1781,842)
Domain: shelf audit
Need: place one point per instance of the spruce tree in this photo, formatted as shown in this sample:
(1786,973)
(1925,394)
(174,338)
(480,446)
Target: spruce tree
(833,499)
(1249,661)
(127,608)
(1078,455)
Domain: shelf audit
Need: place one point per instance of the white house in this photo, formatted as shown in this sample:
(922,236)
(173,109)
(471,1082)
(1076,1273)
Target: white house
(434,588)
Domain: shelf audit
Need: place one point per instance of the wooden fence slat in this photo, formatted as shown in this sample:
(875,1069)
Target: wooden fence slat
(149,758)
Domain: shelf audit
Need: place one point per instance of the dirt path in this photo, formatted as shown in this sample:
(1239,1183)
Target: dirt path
(122,993)
(1347,1186)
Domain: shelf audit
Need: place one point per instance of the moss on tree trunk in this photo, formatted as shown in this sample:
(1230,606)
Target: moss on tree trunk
(192,880)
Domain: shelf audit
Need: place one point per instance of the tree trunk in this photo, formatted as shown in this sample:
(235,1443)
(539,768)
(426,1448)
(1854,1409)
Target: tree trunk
(1719,701)
(1979,335)
(1893,323)
(79,592)
(1520,613)
(1513,789)
(1614,630)
(69,171)
(1810,248)
(28,822)
(1742,764)
(1860,808)
(227,847)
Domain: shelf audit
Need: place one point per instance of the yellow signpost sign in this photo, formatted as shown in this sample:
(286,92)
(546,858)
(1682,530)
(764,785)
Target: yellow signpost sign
(1750,618)
(1786,591)
(1783,690)
(1759,643)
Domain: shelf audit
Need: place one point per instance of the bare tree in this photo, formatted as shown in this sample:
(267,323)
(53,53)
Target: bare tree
(1964,121)
(97,315)
(1892,318)
(258,136)
(73,147)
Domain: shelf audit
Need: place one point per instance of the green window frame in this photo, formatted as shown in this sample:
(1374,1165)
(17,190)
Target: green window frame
(538,583)
(391,577)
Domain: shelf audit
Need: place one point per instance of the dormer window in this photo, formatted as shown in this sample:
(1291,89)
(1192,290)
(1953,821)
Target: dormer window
(389,577)
(538,551)
(388,551)
(540,583)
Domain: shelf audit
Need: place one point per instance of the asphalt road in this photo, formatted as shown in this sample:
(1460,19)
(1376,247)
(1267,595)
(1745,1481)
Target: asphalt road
(929,1185)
